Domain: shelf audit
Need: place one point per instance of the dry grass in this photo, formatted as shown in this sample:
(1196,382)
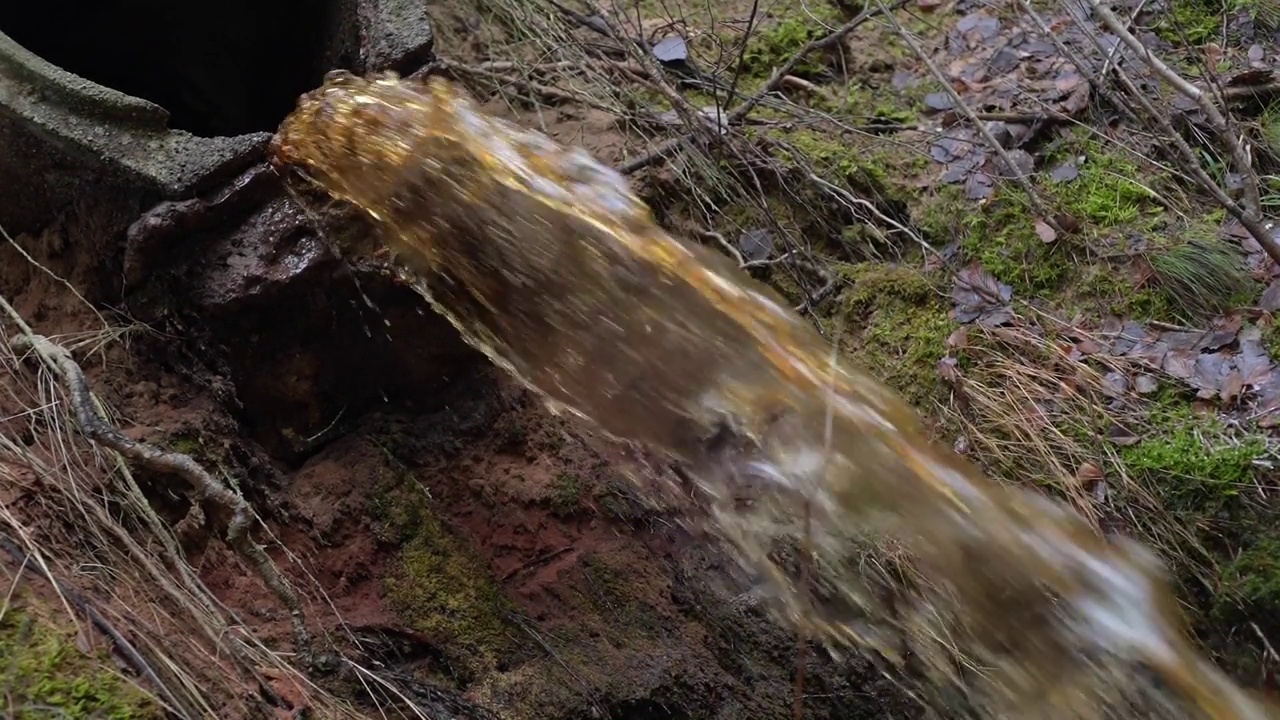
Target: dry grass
(1026,408)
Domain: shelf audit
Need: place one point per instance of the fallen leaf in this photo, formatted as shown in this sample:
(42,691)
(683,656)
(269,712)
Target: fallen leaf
(1077,101)
(1100,491)
(938,101)
(1088,473)
(959,338)
(1181,363)
(1067,223)
(980,296)
(1210,371)
(1271,297)
(1179,340)
(756,244)
(947,369)
(1221,334)
(671,49)
(1254,364)
(980,186)
(928,5)
(1046,233)
(1151,351)
(1065,172)
(1146,384)
(1089,346)
(1232,386)
(1122,435)
(1114,384)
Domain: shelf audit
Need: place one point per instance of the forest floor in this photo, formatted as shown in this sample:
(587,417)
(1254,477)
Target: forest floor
(963,195)
(1095,322)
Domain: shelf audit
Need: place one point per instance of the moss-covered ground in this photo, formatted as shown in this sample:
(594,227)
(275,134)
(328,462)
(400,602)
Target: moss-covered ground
(45,673)
(1189,476)
(439,585)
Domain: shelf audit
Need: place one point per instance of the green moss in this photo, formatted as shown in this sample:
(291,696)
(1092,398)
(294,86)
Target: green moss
(566,493)
(1199,20)
(1002,237)
(40,666)
(1104,289)
(774,43)
(440,587)
(1253,577)
(837,160)
(612,594)
(1196,464)
(895,323)
(1108,192)
(1202,21)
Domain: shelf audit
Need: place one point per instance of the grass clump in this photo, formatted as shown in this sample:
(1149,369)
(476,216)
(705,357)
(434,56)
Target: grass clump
(42,668)
(1201,274)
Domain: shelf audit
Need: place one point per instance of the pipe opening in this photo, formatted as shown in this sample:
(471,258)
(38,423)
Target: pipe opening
(222,68)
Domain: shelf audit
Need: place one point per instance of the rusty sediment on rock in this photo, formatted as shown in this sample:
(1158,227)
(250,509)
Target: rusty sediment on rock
(545,260)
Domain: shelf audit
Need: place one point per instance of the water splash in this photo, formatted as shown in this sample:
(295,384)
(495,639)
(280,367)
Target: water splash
(545,260)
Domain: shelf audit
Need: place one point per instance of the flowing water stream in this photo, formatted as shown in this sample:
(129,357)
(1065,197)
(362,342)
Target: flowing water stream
(820,479)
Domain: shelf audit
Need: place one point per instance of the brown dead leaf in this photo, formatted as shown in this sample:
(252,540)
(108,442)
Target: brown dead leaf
(1210,372)
(1232,386)
(1088,474)
(1271,297)
(1122,435)
(1254,364)
(1089,346)
(1114,384)
(948,370)
(1180,363)
(1046,233)
(980,296)
(959,338)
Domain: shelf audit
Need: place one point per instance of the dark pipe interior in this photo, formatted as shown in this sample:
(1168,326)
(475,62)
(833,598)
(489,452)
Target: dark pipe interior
(220,68)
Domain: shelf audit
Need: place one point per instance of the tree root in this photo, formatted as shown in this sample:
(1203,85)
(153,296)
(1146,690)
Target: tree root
(206,487)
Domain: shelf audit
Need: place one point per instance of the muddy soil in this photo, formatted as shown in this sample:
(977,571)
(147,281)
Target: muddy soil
(444,528)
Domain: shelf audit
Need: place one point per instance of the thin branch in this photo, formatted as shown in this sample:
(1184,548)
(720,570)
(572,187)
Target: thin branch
(1235,145)
(978,125)
(96,428)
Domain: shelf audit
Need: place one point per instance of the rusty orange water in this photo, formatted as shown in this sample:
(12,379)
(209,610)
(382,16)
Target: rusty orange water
(544,259)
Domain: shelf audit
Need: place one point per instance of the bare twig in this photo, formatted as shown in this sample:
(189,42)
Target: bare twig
(1032,196)
(1235,144)
(97,429)
(1250,221)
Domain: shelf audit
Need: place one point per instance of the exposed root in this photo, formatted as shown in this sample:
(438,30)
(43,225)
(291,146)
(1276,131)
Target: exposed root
(97,429)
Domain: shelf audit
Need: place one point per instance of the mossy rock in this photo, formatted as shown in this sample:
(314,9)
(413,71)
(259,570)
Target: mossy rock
(40,667)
